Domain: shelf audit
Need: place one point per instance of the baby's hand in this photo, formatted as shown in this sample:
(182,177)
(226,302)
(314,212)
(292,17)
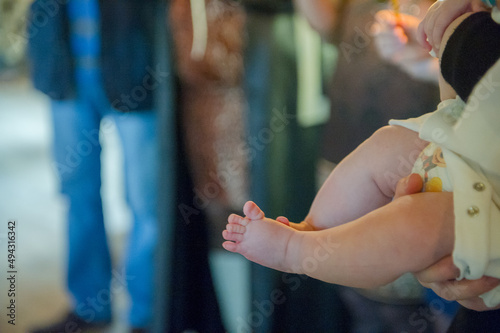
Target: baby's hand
(439,17)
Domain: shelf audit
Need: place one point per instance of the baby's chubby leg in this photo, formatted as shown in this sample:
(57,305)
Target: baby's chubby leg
(259,239)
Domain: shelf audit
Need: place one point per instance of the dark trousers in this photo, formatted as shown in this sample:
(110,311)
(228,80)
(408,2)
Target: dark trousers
(468,321)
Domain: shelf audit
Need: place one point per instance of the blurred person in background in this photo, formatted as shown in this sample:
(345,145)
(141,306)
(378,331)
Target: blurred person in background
(93,59)
(208,36)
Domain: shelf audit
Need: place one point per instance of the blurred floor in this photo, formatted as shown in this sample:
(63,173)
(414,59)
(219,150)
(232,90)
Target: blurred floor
(29,195)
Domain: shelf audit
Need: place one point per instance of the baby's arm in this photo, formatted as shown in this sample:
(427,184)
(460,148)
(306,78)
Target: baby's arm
(369,252)
(365,180)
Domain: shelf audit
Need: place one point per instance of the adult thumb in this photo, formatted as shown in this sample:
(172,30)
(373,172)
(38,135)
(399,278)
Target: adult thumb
(409,185)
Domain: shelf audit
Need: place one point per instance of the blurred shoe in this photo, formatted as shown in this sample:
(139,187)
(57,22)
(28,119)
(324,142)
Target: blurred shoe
(73,323)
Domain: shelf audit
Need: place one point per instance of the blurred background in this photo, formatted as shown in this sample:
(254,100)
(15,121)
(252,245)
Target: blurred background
(265,97)
(30,197)
(30,188)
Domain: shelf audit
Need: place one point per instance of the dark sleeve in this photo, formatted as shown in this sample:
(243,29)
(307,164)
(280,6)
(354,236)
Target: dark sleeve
(470,51)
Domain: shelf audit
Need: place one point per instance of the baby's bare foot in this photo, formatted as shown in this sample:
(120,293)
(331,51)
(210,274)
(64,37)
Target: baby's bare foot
(258,238)
(235,229)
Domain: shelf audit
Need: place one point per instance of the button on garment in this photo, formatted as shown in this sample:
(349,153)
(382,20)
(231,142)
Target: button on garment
(479,186)
(473,211)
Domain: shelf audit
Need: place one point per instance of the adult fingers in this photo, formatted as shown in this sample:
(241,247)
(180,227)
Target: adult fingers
(463,290)
(441,271)
(428,23)
(476,304)
(408,185)
(422,37)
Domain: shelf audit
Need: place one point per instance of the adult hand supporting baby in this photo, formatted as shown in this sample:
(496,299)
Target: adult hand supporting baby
(441,277)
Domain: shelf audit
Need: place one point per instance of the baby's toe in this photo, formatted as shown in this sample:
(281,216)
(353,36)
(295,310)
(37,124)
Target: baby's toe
(252,211)
(236,219)
(232,236)
(230,246)
(283,220)
(235,228)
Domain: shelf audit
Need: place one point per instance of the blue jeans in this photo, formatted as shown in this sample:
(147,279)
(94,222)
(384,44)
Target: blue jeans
(92,281)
